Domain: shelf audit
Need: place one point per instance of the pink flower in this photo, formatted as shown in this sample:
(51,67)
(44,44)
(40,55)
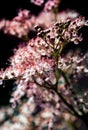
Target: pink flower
(37,2)
(50,4)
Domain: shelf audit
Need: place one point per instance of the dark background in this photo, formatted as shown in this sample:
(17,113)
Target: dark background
(9,9)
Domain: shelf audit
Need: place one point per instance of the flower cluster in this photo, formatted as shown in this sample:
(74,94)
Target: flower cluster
(34,64)
(19,25)
(62,32)
(31,116)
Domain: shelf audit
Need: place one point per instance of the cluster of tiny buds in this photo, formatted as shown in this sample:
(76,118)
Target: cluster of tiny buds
(53,34)
(62,32)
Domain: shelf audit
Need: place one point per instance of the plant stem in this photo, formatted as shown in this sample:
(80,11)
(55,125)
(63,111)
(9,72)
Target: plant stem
(82,117)
(67,104)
